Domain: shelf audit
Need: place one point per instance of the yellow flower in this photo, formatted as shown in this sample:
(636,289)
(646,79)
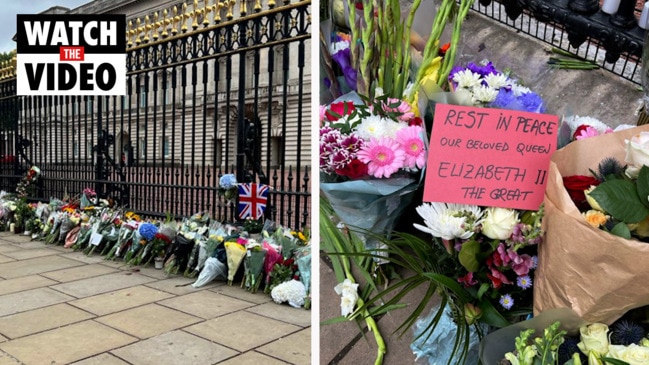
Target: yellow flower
(595,218)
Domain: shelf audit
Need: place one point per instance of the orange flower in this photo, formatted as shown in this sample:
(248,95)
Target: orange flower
(595,218)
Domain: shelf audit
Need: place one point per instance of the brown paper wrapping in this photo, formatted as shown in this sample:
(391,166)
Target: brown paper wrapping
(598,275)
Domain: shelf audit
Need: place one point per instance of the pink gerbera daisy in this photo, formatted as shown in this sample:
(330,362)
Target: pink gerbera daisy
(413,146)
(383,156)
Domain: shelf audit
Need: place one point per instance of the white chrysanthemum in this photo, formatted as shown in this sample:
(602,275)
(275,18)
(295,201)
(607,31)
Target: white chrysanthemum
(484,94)
(466,79)
(575,121)
(519,90)
(339,46)
(497,81)
(447,221)
(375,126)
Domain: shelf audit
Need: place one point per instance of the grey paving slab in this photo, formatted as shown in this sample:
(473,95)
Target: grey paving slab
(206,304)
(120,300)
(102,284)
(42,319)
(148,320)
(66,344)
(236,292)
(8,247)
(23,283)
(4,259)
(253,358)
(284,312)
(35,266)
(242,331)
(179,285)
(103,359)
(79,272)
(7,359)
(31,253)
(175,347)
(17,238)
(30,299)
(82,257)
(294,348)
(32,245)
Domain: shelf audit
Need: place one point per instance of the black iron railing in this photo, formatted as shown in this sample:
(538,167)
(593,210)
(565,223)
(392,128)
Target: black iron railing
(578,26)
(205,96)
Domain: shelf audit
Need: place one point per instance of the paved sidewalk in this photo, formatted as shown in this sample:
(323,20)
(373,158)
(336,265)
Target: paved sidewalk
(58,306)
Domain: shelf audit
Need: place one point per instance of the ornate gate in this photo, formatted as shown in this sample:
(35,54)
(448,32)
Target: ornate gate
(207,94)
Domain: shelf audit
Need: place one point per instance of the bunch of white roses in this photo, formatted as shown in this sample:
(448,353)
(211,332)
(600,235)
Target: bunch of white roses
(595,343)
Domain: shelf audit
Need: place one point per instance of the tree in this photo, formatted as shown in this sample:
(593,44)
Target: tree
(6,56)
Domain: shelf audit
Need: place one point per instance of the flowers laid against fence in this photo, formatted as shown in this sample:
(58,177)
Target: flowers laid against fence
(198,247)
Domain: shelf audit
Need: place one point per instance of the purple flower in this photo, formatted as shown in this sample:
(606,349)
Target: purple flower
(506,301)
(531,102)
(535,262)
(343,59)
(483,70)
(504,99)
(524,282)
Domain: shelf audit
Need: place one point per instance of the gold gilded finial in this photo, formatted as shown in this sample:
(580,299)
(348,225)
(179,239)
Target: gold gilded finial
(129,33)
(194,15)
(184,18)
(206,11)
(242,8)
(271,4)
(176,20)
(286,2)
(217,11)
(230,5)
(165,23)
(257,8)
(147,29)
(156,25)
(139,29)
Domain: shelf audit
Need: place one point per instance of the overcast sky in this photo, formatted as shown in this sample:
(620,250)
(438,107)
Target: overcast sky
(13,7)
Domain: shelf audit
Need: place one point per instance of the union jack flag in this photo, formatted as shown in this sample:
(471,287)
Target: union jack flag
(252,200)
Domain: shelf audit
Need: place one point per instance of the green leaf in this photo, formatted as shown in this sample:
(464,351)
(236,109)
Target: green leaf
(491,316)
(609,360)
(642,185)
(335,320)
(620,199)
(621,230)
(483,289)
(467,255)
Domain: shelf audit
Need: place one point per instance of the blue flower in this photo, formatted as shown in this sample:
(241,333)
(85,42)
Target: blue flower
(148,231)
(506,301)
(228,181)
(504,99)
(535,262)
(524,282)
(532,103)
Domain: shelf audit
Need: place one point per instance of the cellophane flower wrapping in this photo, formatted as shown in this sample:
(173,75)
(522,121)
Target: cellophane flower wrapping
(495,345)
(598,275)
(436,347)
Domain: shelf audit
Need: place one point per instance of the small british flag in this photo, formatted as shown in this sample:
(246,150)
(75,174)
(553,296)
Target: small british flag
(252,200)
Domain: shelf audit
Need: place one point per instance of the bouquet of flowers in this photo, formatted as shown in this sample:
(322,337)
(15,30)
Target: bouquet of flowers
(228,188)
(561,337)
(33,174)
(483,85)
(576,269)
